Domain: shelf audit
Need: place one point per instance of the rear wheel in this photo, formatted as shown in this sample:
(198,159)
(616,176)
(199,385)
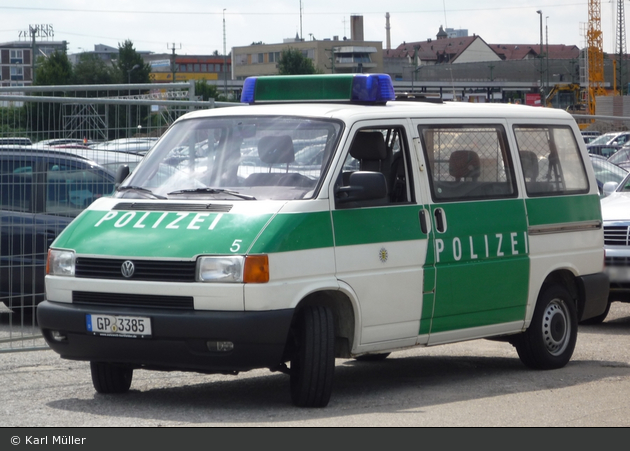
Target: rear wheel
(549,341)
(108,378)
(313,361)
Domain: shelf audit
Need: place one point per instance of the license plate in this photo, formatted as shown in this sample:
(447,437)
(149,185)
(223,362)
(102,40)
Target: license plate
(119,326)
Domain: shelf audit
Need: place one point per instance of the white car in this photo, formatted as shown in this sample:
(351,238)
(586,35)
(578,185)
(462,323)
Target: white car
(616,217)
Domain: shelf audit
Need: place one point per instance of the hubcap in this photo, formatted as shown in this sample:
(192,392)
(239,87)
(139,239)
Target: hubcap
(556,328)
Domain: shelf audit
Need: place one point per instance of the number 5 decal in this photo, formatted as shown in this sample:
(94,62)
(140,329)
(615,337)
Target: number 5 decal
(236,245)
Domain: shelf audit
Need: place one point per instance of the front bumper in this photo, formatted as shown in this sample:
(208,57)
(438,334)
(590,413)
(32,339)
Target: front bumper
(179,339)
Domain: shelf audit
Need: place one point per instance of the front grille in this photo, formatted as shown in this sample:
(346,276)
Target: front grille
(617,261)
(150,270)
(617,235)
(133,300)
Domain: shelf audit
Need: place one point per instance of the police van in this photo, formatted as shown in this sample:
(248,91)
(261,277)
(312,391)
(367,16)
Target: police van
(325,219)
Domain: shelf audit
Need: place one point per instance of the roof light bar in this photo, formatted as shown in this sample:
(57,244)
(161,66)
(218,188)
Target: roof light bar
(351,88)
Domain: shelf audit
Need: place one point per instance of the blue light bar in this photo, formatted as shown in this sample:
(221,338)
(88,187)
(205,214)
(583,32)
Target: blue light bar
(349,88)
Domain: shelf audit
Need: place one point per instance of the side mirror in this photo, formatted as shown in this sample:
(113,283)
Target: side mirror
(609,188)
(121,174)
(363,186)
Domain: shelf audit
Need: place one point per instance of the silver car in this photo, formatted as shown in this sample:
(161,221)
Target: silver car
(616,216)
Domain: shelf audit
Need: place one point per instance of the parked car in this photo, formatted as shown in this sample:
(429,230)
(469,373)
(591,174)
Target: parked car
(605,150)
(616,217)
(41,191)
(621,157)
(611,138)
(63,141)
(589,135)
(136,145)
(605,172)
(15,141)
(109,159)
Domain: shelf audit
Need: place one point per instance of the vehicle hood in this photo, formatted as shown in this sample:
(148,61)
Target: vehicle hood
(616,207)
(183,230)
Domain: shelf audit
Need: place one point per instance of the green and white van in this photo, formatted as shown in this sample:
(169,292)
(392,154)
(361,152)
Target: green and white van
(324,219)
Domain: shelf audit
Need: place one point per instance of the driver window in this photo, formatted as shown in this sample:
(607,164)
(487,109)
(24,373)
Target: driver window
(376,150)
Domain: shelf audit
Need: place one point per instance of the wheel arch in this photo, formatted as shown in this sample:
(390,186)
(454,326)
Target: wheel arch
(565,278)
(343,313)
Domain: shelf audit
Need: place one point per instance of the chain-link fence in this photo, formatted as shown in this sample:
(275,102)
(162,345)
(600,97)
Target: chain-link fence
(59,150)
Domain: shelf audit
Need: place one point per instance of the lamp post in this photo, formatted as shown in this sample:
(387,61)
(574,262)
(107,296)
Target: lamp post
(224,60)
(541,58)
(129,71)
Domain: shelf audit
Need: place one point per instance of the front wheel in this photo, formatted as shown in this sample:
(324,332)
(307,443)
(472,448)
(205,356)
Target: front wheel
(108,378)
(549,341)
(313,361)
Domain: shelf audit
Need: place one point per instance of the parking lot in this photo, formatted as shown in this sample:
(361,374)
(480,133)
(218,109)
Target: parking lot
(477,383)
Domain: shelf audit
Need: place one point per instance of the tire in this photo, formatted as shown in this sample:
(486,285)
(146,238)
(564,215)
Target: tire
(599,318)
(372,357)
(550,340)
(108,378)
(313,361)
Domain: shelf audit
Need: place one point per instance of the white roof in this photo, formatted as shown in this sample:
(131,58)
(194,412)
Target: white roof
(393,109)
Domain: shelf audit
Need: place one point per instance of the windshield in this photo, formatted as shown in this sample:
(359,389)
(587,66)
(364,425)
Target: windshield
(236,158)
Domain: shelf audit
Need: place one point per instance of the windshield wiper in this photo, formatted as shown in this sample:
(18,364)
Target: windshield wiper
(213,191)
(140,189)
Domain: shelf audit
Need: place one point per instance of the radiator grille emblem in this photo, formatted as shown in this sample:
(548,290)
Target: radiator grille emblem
(127,269)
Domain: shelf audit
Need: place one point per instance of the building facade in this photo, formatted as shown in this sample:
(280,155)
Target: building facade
(16,60)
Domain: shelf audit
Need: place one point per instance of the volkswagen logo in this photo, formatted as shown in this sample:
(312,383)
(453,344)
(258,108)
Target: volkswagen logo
(127,269)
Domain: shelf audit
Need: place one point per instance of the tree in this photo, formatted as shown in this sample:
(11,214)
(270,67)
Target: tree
(54,69)
(130,67)
(293,62)
(90,69)
(205,90)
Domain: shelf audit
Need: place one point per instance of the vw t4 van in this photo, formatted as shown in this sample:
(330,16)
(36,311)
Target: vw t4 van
(324,219)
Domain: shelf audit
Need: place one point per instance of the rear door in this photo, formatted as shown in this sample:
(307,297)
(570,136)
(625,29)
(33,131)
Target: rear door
(479,234)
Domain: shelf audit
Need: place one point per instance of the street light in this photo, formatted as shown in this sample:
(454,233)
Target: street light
(225,91)
(129,71)
(541,57)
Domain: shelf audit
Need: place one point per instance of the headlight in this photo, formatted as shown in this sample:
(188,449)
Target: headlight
(60,262)
(239,269)
(220,269)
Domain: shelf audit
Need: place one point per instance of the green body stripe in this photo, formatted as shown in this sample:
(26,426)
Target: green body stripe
(184,235)
(562,209)
(296,231)
(375,225)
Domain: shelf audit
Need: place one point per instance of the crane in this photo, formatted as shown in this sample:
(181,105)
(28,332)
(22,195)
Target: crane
(595,49)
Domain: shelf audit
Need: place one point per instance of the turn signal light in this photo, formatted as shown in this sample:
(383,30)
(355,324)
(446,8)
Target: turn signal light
(256,269)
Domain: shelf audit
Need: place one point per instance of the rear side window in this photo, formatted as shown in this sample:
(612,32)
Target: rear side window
(467,162)
(550,160)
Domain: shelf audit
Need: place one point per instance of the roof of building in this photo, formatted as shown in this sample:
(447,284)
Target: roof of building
(438,51)
(525,51)
(443,50)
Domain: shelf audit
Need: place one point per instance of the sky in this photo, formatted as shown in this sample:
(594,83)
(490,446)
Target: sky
(195,27)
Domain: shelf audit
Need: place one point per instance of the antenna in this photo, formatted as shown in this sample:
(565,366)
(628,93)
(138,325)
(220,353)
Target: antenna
(444,7)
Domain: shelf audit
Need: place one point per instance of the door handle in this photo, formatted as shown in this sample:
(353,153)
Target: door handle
(424,222)
(440,220)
